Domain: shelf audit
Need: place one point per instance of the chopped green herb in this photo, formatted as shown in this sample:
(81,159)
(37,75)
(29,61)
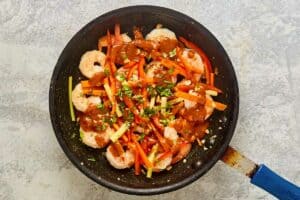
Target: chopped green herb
(149,58)
(119,93)
(101,128)
(100,106)
(148,112)
(151,91)
(122,106)
(125,90)
(165,90)
(81,135)
(128,116)
(172,53)
(164,122)
(121,77)
(106,72)
(138,98)
(171,71)
(142,136)
(91,159)
(111,120)
(168,106)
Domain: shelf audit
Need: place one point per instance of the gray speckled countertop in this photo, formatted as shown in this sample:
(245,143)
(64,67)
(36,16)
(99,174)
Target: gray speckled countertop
(261,37)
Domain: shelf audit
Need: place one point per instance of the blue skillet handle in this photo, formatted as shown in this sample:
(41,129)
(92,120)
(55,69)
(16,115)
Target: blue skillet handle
(268,180)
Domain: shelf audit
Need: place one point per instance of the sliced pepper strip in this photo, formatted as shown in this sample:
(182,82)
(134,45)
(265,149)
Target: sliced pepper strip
(118,37)
(142,153)
(220,106)
(160,138)
(141,72)
(189,97)
(137,165)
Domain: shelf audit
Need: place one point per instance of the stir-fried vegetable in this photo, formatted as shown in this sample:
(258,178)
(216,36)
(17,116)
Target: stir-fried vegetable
(116,135)
(151,158)
(72,114)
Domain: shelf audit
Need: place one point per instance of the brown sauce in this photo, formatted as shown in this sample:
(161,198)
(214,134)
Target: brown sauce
(167,45)
(195,114)
(91,120)
(97,79)
(100,141)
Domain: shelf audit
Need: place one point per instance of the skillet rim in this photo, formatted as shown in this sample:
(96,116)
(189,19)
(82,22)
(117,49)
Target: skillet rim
(142,191)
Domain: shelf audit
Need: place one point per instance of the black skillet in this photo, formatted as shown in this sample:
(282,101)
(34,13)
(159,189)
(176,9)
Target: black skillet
(199,161)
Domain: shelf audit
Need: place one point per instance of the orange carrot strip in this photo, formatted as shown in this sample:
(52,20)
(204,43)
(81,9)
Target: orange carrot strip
(129,65)
(145,96)
(98,93)
(112,81)
(109,43)
(116,126)
(137,166)
(124,137)
(220,106)
(212,79)
(118,36)
(163,156)
(160,138)
(129,135)
(171,64)
(130,73)
(141,71)
(189,97)
(113,68)
(157,124)
(184,88)
(142,154)
(86,90)
(177,107)
(85,84)
(128,102)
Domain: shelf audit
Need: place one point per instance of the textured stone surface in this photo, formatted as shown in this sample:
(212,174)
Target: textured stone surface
(261,37)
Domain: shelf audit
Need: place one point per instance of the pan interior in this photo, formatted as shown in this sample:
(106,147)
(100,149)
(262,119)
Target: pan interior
(222,124)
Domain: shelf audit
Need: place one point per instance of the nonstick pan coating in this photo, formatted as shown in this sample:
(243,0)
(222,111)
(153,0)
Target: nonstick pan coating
(198,161)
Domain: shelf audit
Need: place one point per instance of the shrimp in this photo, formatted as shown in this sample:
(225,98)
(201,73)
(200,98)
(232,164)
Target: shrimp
(91,63)
(95,139)
(156,70)
(159,34)
(125,38)
(163,163)
(171,134)
(209,104)
(80,101)
(103,40)
(124,72)
(189,104)
(120,160)
(194,59)
(180,150)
